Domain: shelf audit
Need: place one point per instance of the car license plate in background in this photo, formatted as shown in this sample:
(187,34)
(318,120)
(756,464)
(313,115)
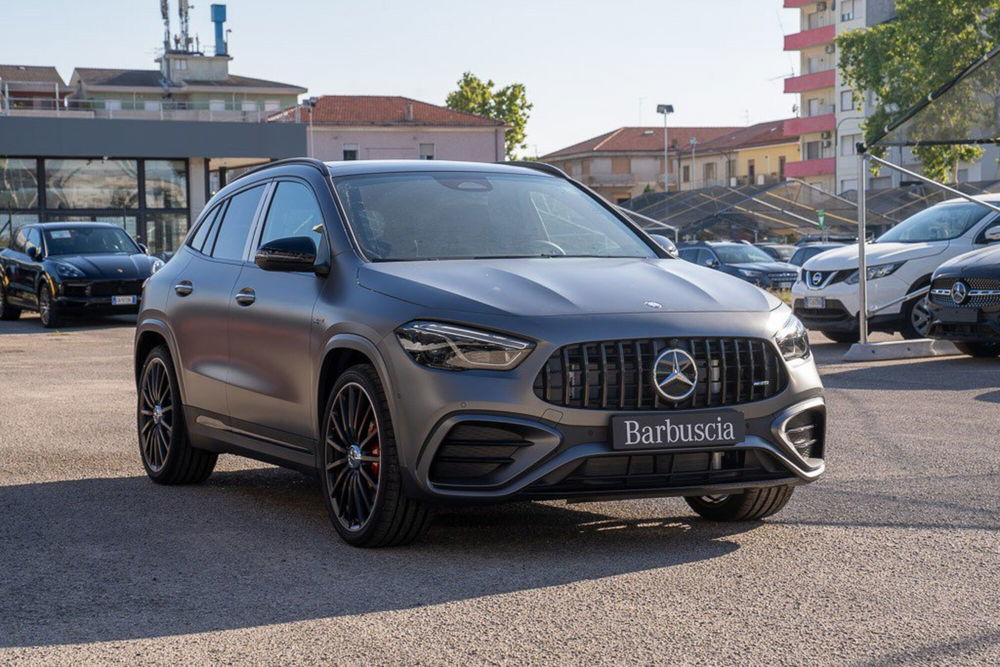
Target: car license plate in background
(958,315)
(815,302)
(123,300)
(666,430)
(785,285)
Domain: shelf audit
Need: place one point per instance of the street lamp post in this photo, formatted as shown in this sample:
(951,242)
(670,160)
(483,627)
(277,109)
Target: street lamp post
(666,110)
(694,171)
(311,103)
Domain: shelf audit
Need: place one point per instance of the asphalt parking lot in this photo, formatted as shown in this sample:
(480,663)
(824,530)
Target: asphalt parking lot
(893,557)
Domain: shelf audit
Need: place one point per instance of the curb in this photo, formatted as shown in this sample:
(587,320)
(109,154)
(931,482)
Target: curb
(900,349)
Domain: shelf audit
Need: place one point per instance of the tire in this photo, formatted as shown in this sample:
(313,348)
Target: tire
(979,349)
(8,313)
(164,446)
(916,318)
(49,312)
(751,505)
(359,466)
(842,336)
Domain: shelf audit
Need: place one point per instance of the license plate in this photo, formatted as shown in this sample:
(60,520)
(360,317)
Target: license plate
(816,302)
(668,431)
(123,300)
(785,285)
(958,315)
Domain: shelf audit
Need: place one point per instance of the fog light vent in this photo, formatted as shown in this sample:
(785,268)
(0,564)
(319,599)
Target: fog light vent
(806,431)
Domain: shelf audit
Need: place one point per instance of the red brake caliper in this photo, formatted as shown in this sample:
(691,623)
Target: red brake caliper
(375,450)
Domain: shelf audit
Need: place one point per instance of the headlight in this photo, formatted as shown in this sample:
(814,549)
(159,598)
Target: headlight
(880,271)
(156,266)
(793,339)
(750,273)
(67,270)
(455,348)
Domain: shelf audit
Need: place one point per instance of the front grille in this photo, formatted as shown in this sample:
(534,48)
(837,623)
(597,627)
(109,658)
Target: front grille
(647,472)
(983,292)
(783,277)
(116,288)
(618,374)
(832,313)
(820,279)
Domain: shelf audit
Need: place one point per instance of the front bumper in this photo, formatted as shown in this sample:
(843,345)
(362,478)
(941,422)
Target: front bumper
(964,324)
(98,297)
(840,312)
(486,436)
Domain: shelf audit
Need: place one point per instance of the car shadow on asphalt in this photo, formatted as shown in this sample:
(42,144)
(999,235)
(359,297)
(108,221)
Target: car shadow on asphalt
(32,325)
(109,559)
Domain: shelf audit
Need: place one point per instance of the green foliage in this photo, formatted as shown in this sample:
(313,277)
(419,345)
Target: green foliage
(901,61)
(509,104)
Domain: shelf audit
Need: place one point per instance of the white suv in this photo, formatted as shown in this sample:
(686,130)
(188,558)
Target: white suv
(899,262)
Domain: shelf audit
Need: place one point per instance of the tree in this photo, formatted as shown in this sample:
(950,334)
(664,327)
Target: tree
(902,60)
(508,104)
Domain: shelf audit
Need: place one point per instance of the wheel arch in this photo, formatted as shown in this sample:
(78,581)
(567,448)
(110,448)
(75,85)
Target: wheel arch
(340,353)
(150,334)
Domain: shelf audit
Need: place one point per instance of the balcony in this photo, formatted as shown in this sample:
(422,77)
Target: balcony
(804,168)
(803,82)
(612,179)
(809,124)
(807,38)
(137,110)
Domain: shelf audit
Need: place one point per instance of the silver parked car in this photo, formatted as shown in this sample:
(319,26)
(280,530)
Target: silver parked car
(425,332)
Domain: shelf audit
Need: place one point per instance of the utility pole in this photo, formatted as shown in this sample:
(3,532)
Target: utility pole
(666,110)
(694,148)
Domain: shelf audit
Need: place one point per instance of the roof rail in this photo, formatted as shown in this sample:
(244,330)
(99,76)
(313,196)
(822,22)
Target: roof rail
(544,167)
(309,161)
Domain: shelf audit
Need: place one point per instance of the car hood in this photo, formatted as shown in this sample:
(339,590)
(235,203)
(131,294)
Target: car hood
(120,267)
(767,267)
(984,262)
(564,286)
(875,254)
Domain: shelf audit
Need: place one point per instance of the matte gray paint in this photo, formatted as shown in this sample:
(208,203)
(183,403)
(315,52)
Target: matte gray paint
(93,137)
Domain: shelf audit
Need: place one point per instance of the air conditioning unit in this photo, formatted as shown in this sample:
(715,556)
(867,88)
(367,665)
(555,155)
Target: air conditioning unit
(827,134)
(831,48)
(827,144)
(820,6)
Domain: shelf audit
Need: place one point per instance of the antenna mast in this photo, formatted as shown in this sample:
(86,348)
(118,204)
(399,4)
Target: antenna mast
(165,13)
(183,11)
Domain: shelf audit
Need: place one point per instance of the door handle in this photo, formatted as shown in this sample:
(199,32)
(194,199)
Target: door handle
(184,287)
(246,296)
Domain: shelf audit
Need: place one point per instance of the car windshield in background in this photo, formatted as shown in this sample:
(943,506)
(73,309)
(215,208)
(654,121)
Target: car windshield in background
(938,223)
(741,254)
(462,215)
(89,241)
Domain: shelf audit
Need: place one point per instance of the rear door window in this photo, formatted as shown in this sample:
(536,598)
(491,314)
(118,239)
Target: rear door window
(236,223)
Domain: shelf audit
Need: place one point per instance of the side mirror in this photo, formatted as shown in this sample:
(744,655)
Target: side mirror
(35,253)
(144,248)
(711,263)
(666,244)
(293,253)
(992,234)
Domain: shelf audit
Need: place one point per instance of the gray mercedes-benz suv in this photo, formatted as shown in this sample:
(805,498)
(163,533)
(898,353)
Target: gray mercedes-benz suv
(424,332)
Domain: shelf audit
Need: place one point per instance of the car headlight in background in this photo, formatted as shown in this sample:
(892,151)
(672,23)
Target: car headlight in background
(750,273)
(456,348)
(880,271)
(793,339)
(67,270)
(156,265)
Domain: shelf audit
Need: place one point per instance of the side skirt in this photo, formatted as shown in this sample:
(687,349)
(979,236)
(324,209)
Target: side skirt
(216,433)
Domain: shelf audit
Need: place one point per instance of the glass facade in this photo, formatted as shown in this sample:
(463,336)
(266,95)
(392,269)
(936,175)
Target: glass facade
(148,198)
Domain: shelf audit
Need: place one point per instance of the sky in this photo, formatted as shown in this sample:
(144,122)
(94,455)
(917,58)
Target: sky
(589,66)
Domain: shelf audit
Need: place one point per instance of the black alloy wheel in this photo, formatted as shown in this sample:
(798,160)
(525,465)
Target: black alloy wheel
(359,468)
(48,311)
(167,453)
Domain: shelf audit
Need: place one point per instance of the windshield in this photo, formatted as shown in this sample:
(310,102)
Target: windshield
(780,252)
(461,215)
(89,241)
(741,254)
(937,223)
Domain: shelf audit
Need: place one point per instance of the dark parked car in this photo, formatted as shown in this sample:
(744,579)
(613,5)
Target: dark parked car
(742,260)
(62,269)
(806,252)
(777,251)
(965,302)
(424,332)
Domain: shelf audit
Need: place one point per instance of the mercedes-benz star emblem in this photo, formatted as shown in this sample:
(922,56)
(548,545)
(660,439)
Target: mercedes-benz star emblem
(675,374)
(959,292)
(653,304)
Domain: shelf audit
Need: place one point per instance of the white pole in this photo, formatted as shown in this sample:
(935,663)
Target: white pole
(666,156)
(862,236)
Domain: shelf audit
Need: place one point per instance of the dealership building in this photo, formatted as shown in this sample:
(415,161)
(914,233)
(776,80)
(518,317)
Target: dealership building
(140,148)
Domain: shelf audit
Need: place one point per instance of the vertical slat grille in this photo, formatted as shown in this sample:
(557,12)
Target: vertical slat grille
(617,374)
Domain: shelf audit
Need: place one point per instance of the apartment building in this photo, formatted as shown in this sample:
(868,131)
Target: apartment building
(830,113)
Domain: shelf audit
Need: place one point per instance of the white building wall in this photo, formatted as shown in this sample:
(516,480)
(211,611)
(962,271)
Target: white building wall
(382,143)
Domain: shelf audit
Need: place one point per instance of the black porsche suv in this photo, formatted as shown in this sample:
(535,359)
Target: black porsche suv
(62,269)
(965,302)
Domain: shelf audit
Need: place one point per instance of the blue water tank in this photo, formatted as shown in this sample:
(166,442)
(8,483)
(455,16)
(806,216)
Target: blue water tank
(218,18)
